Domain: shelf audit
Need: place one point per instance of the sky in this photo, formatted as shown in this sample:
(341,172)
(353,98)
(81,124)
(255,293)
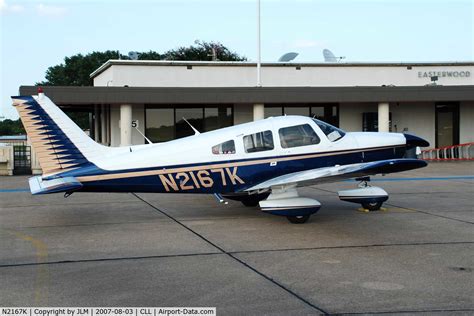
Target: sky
(37,34)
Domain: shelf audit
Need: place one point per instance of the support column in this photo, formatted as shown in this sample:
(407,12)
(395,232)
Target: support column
(384,117)
(108,118)
(125,125)
(258,112)
(103,127)
(96,123)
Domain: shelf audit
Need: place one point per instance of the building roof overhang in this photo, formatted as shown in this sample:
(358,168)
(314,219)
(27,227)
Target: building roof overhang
(221,95)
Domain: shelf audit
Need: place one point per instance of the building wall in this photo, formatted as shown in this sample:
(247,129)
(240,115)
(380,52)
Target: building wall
(114,125)
(6,160)
(466,118)
(105,78)
(415,118)
(243,113)
(168,74)
(350,115)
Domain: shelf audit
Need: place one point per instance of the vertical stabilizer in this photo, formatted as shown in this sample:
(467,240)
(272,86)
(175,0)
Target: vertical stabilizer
(59,143)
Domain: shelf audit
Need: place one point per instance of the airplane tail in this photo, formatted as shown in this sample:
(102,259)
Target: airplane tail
(59,143)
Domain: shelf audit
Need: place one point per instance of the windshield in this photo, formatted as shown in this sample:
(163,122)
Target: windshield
(332,133)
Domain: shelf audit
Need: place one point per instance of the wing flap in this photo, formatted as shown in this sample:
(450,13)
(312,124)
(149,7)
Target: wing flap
(332,174)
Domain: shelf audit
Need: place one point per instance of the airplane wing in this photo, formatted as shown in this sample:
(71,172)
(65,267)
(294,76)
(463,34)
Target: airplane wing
(336,173)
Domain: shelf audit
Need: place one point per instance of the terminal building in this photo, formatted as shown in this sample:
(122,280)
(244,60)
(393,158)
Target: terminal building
(131,99)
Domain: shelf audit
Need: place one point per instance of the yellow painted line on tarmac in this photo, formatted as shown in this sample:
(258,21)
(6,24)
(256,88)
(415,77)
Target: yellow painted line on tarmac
(386,210)
(42,270)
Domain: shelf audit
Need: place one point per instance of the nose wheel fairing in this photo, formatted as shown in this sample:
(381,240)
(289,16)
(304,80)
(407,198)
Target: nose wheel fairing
(364,195)
(369,197)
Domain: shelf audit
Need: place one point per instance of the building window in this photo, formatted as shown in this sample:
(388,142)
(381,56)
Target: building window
(159,124)
(258,142)
(328,112)
(224,148)
(318,112)
(194,116)
(273,111)
(370,122)
(296,136)
(165,123)
(447,124)
(217,117)
(296,110)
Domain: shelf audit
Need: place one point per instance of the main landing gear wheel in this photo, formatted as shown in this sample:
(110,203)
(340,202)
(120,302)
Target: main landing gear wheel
(298,219)
(373,206)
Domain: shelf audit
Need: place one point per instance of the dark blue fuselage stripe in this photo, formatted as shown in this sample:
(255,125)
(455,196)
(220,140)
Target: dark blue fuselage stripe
(250,174)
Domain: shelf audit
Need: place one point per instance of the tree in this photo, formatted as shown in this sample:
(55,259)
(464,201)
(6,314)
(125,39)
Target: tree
(10,127)
(150,55)
(203,51)
(76,69)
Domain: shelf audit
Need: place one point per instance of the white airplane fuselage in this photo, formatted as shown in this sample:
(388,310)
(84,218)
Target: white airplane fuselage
(257,163)
(188,165)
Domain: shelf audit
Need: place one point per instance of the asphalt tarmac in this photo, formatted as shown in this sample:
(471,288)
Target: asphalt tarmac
(153,250)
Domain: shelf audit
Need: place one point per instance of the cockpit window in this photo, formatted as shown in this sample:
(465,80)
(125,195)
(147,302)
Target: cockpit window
(258,142)
(224,148)
(299,135)
(333,133)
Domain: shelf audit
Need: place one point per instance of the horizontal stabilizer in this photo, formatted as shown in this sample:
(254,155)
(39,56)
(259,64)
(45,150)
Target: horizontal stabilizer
(40,186)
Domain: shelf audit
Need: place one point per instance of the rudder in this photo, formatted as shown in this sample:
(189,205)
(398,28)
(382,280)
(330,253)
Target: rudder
(58,142)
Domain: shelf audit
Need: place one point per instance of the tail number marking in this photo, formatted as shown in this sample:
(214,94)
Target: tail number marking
(183,181)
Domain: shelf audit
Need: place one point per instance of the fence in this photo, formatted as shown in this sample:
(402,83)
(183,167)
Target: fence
(449,153)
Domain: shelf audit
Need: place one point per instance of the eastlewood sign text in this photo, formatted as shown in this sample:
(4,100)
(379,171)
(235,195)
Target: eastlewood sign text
(455,74)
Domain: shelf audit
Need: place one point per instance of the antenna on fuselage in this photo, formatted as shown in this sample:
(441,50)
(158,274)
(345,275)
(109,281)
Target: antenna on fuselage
(146,138)
(196,132)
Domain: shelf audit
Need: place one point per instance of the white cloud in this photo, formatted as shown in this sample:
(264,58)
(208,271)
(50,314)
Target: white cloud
(15,8)
(50,10)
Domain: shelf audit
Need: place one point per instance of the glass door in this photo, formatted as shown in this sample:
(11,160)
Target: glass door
(447,124)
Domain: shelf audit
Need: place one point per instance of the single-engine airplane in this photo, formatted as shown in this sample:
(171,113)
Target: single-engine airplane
(258,163)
